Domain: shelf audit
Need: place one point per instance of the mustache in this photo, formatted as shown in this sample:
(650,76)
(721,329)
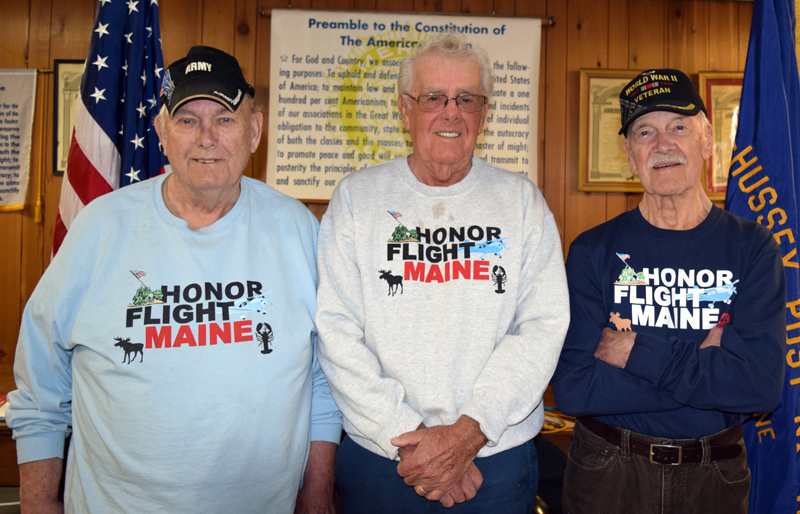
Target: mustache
(666,158)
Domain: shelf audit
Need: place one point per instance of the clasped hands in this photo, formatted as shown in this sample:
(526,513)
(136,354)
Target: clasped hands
(438,461)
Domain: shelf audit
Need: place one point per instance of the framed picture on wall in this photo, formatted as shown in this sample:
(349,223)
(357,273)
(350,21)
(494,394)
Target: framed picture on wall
(602,165)
(721,92)
(66,93)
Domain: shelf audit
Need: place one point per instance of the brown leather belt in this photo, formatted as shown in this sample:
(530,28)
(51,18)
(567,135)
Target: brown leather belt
(723,446)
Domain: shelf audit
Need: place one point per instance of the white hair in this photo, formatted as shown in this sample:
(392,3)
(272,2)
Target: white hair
(449,46)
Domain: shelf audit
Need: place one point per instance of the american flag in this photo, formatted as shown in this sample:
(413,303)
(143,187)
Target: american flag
(395,215)
(114,143)
(138,274)
(624,257)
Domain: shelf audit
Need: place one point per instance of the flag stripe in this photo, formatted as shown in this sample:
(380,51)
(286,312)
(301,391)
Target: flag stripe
(113,143)
(59,233)
(99,150)
(86,181)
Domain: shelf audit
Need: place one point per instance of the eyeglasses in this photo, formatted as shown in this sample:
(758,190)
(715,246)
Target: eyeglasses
(435,102)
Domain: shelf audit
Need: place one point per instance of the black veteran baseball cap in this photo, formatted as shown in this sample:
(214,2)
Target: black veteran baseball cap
(658,90)
(205,72)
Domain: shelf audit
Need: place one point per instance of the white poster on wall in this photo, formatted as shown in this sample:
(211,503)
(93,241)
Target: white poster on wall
(17,102)
(333,92)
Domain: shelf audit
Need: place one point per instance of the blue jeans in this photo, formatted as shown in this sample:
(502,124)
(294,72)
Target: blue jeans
(602,478)
(369,484)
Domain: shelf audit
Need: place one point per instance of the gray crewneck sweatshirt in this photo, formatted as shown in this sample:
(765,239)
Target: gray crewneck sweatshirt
(437,302)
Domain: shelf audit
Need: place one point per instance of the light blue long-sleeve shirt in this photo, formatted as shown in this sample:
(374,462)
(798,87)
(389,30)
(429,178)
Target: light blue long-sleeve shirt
(184,360)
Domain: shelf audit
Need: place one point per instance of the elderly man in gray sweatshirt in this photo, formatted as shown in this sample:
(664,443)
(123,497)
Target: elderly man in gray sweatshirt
(442,307)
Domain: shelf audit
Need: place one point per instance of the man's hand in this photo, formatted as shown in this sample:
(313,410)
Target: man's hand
(442,457)
(39,483)
(316,496)
(615,347)
(462,491)
(465,490)
(713,338)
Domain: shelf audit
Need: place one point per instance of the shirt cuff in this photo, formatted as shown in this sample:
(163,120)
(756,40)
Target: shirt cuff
(407,421)
(491,421)
(46,445)
(647,357)
(329,432)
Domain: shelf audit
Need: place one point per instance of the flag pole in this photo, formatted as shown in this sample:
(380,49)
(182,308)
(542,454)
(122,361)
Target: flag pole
(137,278)
(398,221)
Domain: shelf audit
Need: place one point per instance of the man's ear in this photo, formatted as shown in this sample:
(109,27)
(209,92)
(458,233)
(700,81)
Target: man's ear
(404,109)
(255,136)
(629,155)
(708,141)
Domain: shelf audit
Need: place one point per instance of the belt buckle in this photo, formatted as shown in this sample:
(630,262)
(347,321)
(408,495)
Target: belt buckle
(680,453)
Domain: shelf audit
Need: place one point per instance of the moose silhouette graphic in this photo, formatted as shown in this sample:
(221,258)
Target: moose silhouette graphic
(131,349)
(393,281)
(265,336)
(621,324)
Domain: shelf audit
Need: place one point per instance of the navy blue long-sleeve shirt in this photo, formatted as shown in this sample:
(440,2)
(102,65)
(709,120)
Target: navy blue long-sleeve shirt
(670,288)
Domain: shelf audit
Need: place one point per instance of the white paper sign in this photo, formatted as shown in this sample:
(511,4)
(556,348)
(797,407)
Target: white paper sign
(333,92)
(17,94)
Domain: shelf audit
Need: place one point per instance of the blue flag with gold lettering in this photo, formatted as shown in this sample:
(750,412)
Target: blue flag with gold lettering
(763,186)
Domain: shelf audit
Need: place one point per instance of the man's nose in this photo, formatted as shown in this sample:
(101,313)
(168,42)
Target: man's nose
(207,136)
(451,111)
(664,141)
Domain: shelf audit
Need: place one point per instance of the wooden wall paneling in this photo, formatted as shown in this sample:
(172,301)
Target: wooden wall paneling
(745,20)
(52,195)
(219,24)
(364,5)
(618,47)
(646,34)
(723,36)
(333,4)
(507,7)
(555,112)
(33,261)
(39,52)
(12,55)
(477,7)
(394,5)
(246,17)
(687,36)
(442,6)
(71,24)
(587,47)
(181,24)
(14,36)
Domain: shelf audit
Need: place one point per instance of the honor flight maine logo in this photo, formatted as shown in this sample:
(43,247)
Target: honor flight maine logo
(443,254)
(195,315)
(672,298)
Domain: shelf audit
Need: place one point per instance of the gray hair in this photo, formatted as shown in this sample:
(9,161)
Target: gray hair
(449,46)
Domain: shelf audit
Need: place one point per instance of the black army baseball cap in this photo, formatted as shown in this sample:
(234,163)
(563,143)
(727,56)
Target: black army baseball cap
(205,72)
(658,90)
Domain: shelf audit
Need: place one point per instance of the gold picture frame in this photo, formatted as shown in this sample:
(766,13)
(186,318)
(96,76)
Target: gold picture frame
(66,94)
(721,92)
(602,165)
